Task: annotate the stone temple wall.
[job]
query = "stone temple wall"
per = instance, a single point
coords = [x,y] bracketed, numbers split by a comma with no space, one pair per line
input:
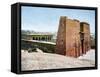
[86,40]
[69,37]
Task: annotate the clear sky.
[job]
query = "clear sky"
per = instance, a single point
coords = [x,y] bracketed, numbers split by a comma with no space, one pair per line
[47,19]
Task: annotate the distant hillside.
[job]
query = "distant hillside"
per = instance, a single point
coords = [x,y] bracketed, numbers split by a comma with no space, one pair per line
[27,32]
[34,32]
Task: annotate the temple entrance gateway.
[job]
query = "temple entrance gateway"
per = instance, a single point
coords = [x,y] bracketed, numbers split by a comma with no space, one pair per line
[75,36]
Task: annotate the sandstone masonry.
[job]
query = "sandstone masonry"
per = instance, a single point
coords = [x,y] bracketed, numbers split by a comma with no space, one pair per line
[73,37]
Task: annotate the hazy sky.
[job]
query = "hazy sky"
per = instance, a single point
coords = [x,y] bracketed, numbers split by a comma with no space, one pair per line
[47,19]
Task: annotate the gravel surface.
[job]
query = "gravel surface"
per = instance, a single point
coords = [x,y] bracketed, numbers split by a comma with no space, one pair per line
[40,61]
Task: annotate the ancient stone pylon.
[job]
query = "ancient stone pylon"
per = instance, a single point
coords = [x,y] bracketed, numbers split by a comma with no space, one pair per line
[69,37]
[85,42]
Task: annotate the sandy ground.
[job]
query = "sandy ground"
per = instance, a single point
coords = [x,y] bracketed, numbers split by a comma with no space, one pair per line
[90,55]
[40,61]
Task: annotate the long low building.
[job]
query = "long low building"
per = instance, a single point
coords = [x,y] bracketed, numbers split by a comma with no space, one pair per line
[45,42]
[40,37]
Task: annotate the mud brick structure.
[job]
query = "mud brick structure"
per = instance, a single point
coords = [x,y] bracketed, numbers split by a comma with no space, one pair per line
[73,37]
